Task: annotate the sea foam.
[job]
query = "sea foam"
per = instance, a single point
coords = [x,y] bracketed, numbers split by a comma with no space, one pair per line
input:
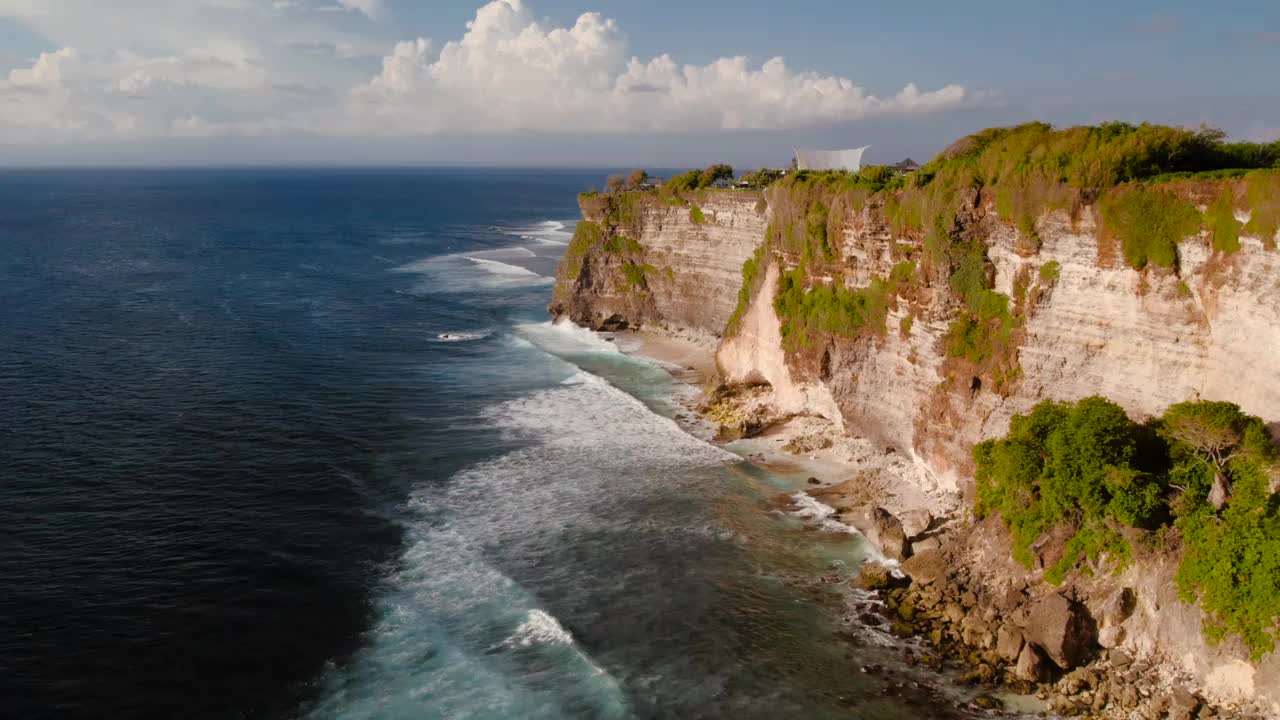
[464,272]
[550,232]
[540,627]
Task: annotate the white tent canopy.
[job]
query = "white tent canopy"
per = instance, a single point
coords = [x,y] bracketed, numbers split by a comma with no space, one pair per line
[830,159]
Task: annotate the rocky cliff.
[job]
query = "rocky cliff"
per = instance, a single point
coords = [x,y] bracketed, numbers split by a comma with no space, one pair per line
[636,259]
[947,323]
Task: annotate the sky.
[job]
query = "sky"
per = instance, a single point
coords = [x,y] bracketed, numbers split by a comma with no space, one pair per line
[657,83]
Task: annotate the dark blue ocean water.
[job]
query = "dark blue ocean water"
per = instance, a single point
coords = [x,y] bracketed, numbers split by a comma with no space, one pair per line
[302,443]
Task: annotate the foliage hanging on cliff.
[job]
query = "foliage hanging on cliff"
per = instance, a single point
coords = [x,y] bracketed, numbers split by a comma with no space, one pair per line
[585,237]
[1264,202]
[832,307]
[1150,224]
[1086,472]
[752,270]
[1220,217]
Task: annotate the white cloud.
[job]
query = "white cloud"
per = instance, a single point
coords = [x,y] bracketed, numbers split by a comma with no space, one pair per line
[510,71]
[209,67]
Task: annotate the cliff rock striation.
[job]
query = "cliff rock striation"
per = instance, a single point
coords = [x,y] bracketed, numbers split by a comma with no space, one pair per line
[925,312]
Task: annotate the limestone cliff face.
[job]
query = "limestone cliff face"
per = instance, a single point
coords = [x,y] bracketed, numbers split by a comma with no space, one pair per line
[1089,325]
[1146,340]
[1092,325]
[686,266]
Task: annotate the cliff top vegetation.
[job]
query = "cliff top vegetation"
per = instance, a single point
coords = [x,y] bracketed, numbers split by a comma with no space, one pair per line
[1096,157]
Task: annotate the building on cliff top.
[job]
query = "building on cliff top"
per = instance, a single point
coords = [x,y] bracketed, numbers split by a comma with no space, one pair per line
[850,159]
[906,166]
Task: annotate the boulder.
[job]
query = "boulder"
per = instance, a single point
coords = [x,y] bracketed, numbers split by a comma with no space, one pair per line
[873,576]
[1008,642]
[1009,600]
[613,323]
[881,529]
[1031,666]
[1182,705]
[1119,658]
[953,613]
[976,633]
[925,545]
[915,522]
[1061,628]
[1117,608]
[1109,637]
[927,568]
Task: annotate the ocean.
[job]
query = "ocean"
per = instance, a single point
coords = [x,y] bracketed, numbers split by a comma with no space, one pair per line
[304,443]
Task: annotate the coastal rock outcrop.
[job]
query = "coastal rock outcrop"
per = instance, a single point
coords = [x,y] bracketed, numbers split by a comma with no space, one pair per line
[1069,317]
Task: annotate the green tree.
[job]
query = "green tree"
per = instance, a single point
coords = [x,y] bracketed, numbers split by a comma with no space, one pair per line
[637,178]
[713,173]
[1213,433]
[762,177]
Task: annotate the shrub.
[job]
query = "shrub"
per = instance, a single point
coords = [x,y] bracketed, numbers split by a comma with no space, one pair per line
[1149,225]
[1094,157]
[833,308]
[695,215]
[975,335]
[1087,468]
[586,235]
[682,182]
[1050,271]
[816,228]
[752,268]
[637,178]
[1077,465]
[620,244]
[697,179]
[1220,217]
[905,212]
[635,274]
[714,173]
[763,177]
[1232,553]
[1264,206]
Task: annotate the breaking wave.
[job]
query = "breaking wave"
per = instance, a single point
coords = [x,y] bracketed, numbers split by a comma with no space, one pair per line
[566,338]
[807,508]
[465,272]
[462,336]
[540,627]
[550,232]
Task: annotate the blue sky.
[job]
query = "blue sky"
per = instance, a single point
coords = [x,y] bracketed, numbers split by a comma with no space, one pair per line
[654,82]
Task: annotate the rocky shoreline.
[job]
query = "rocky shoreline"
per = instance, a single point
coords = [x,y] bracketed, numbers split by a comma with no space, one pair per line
[1019,636]
[1030,639]
[1000,631]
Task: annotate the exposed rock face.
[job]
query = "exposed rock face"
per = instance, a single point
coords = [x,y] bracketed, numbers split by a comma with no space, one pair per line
[694,269]
[1145,340]
[1208,329]
[1061,628]
[1030,665]
[881,528]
